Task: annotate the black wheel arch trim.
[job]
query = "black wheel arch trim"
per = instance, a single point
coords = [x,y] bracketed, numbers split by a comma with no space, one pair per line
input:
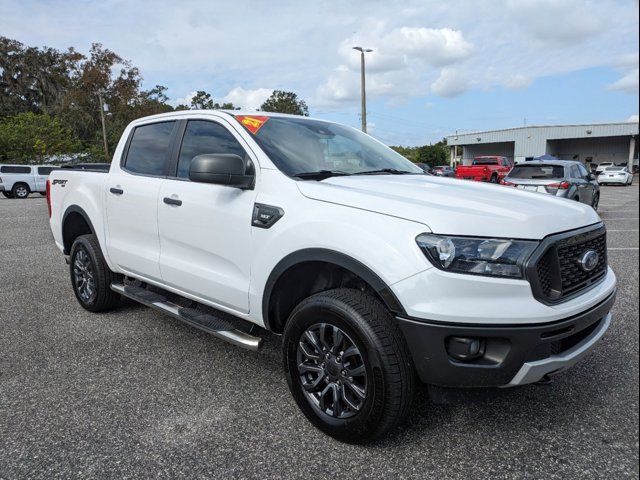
[79,210]
[338,259]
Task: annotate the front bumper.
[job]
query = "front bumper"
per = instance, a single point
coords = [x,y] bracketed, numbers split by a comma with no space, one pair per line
[514,354]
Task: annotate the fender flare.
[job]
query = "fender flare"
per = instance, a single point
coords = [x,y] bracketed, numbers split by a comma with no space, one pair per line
[338,259]
[76,209]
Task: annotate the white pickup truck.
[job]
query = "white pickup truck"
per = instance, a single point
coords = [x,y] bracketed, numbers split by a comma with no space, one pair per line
[18,181]
[376,274]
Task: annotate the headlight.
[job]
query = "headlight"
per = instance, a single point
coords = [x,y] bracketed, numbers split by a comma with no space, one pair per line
[495,257]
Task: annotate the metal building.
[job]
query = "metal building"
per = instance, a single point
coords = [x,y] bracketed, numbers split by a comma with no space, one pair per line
[590,144]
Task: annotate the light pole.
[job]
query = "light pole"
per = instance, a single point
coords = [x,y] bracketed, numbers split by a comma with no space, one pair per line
[362,88]
[104,129]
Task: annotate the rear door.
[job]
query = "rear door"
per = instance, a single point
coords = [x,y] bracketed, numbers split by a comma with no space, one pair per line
[585,189]
[41,175]
[132,199]
[205,229]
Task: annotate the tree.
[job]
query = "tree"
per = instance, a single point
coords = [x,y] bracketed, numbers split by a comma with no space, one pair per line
[202,101]
[29,137]
[285,102]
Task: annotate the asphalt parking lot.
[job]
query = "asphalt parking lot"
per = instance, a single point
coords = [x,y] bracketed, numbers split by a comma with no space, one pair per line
[134,394]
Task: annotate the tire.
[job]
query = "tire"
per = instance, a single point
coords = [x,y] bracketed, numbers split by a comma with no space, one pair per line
[88,267]
[596,202]
[381,369]
[494,179]
[20,191]
[7,194]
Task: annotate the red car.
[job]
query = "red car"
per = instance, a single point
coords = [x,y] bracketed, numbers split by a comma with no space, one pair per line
[485,169]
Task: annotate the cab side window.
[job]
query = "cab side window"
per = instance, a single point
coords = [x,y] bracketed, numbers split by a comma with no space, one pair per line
[149,149]
[202,137]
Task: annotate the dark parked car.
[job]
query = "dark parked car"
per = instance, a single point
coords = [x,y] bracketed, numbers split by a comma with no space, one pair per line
[426,168]
[561,178]
[443,171]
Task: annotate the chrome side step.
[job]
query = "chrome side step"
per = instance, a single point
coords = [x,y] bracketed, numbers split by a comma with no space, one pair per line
[218,327]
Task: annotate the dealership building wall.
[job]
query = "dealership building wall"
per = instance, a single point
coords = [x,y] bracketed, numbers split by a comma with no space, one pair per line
[590,144]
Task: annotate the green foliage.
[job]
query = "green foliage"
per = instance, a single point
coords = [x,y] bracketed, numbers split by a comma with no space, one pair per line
[433,154]
[285,102]
[29,137]
[203,101]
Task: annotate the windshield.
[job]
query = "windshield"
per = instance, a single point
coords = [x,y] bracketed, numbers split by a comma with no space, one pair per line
[298,146]
[485,161]
[533,172]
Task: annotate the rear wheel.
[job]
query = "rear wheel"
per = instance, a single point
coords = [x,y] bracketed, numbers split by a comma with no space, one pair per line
[347,365]
[20,190]
[7,194]
[494,178]
[90,276]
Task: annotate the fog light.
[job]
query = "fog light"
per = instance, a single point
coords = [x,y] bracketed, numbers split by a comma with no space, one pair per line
[465,349]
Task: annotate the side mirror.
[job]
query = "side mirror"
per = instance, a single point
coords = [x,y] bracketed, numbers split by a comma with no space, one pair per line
[221,169]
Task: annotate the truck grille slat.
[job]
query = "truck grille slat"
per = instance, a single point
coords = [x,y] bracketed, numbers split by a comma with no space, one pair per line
[558,273]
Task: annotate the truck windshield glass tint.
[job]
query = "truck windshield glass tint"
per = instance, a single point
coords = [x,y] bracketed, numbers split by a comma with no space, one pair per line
[303,146]
[148,150]
[537,171]
[201,137]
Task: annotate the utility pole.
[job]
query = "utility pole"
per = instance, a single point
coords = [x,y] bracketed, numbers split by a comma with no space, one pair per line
[363,93]
[104,128]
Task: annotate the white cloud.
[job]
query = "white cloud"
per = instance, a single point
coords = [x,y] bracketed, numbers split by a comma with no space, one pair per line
[633,119]
[566,22]
[627,84]
[517,81]
[451,82]
[247,99]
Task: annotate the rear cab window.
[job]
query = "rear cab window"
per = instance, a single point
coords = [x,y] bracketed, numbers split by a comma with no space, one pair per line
[45,170]
[485,161]
[148,150]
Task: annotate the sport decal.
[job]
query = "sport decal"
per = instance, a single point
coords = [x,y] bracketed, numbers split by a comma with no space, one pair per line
[252,123]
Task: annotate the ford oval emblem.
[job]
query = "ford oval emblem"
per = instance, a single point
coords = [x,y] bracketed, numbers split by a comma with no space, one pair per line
[589,260]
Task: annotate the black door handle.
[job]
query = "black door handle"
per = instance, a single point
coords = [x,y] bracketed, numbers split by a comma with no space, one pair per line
[172,201]
[116,191]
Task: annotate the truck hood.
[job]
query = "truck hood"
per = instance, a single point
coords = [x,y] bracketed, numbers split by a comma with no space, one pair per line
[455,207]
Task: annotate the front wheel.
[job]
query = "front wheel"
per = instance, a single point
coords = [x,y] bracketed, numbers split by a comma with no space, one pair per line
[596,201]
[494,179]
[7,194]
[347,365]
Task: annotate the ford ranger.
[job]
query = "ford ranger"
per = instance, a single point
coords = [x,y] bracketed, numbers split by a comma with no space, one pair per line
[376,275]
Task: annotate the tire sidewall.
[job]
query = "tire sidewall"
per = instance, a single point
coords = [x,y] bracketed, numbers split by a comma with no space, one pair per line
[318,310]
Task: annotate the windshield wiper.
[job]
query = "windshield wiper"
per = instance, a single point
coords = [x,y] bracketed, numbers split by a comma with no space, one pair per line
[391,171]
[321,174]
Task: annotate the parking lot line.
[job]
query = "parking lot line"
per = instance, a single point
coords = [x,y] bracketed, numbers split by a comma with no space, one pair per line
[622,248]
[622,230]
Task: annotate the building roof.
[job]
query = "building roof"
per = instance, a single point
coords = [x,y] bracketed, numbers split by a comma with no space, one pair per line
[551,132]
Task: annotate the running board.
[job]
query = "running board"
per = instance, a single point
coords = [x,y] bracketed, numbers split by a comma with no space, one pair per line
[218,327]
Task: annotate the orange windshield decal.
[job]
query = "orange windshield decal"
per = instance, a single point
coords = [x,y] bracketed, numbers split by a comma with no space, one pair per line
[252,123]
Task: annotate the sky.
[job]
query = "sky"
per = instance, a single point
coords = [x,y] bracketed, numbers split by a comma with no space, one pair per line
[436,67]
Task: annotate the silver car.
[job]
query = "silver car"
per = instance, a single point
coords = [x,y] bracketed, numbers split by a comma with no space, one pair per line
[561,178]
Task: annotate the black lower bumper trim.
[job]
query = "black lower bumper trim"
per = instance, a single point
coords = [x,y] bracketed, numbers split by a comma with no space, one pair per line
[507,348]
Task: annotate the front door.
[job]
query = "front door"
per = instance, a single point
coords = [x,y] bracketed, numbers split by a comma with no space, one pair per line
[132,200]
[205,229]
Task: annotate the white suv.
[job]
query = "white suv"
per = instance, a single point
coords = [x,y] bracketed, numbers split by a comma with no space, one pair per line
[374,273]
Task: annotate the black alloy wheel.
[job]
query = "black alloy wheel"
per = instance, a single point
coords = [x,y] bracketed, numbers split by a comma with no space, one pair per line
[84,276]
[332,371]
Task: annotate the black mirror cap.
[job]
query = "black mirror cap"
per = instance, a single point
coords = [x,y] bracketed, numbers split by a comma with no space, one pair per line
[221,169]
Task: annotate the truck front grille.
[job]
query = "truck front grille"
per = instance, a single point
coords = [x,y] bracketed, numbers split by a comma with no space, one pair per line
[557,273]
